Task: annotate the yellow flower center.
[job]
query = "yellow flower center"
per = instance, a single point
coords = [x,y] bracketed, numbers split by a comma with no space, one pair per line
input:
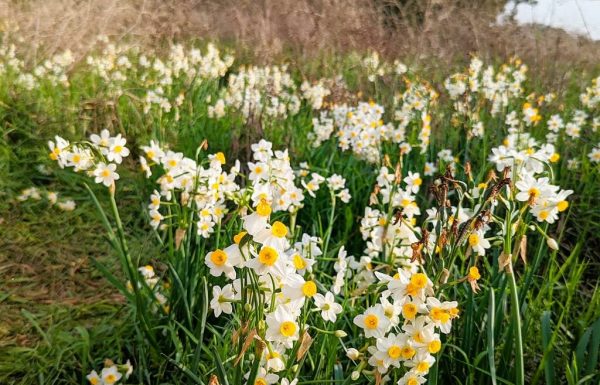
[408,352]
[419,280]
[76,158]
[94,381]
[309,289]
[371,321]
[438,314]
[412,289]
[238,237]
[263,209]
[220,157]
[110,379]
[412,381]
[434,346]
[279,229]
[299,263]
[562,205]
[474,273]
[422,367]
[418,182]
[473,239]
[394,351]
[453,312]
[543,215]
[260,381]
[418,337]
[105,173]
[218,257]
[287,328]
[554,157]
[268,256]
[409,310]
[534,192]
[118,149]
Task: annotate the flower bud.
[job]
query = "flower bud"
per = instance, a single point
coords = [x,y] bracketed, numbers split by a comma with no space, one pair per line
[352,353]
[552,243]
[340,334]
[355,374]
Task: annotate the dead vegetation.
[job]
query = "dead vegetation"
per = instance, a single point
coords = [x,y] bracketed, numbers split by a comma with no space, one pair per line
[445,30]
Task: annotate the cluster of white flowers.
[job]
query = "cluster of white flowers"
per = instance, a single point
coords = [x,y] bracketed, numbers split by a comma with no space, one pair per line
[112,63]
[336,183]
[413,106]
[183,65]
[157,293]
[387,235]
[591,97]
[362,130]
[280,284]
[403,326]
[314,94]
[498,88]
[98,157]
[273,180]
[111,374]
[36,194]
[323,128]
[182,179]
[527,160]
[256,92]
[53,71]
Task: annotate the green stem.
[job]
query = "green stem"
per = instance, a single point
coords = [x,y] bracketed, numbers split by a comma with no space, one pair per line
[516,318]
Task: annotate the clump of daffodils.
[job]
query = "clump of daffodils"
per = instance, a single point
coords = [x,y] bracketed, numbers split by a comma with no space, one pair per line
[98,157]
[202,186]
[498,88]
[528,161]
[52,197]
[111,374]
[255,92]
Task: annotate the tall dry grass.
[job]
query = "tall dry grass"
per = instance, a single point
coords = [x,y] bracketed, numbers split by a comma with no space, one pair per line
[440,29]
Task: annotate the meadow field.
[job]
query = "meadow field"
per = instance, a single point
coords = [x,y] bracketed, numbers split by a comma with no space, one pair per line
[220,210]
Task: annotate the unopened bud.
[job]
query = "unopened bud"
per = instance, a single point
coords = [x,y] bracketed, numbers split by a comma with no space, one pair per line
[248,307]
[354,376]
[352,353]
[340,334]
[552,243]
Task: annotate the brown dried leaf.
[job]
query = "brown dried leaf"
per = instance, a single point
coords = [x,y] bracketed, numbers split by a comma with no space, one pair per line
[504,262]
[179,235]
[523,249]
[245,346]
[305,343]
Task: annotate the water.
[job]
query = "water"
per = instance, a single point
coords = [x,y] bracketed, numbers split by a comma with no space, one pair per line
[580,17]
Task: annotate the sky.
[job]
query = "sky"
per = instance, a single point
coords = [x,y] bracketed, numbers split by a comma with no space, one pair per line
[580,17]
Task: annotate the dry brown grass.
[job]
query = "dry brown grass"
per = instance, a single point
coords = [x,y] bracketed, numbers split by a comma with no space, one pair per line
[441,29]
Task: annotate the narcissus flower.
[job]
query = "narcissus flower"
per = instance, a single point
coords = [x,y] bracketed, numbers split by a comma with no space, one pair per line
[105,173]
[329,308]
[282,326]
